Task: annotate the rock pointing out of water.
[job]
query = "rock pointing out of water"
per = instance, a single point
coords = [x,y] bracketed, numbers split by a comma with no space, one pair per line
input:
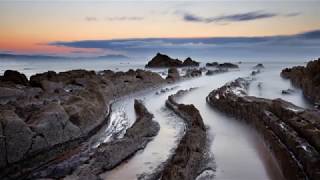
[109,155]
[291,132]
[54,112]
[307,78]
[162,60]
[186,163]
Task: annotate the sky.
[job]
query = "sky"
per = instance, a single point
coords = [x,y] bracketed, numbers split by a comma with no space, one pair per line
[81,28]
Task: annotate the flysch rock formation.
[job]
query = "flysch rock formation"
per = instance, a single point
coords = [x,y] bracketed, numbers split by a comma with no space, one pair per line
[109,155]
[54,112]
[292,133]
[188,159]
[307,78]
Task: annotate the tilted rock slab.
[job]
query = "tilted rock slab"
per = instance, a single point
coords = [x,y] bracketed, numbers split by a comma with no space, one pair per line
[186,161]
[292,133]
[55,112]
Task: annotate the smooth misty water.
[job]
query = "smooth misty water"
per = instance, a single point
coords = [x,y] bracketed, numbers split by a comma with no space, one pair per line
[238,150]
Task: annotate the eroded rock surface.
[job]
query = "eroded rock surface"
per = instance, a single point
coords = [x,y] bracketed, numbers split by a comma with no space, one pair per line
[54,112]
[186,163]
[307,78]
[292,132]
[109,155]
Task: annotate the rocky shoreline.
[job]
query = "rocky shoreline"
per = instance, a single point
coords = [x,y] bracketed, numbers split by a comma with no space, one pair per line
[188,159]
[307,78]
[54,112]
[292,133]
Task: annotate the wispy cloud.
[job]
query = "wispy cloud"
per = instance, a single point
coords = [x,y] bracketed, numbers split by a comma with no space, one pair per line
[124,18]
[248,16]
[91,18]
[115,18]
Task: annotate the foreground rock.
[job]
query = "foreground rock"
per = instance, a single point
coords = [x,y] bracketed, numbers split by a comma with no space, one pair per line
[307,78]
[162,60]
[109,155]
[186,163]
[55,112]
[291,132]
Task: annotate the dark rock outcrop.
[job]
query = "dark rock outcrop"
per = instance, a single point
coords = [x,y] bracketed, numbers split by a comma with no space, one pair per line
[217,71]
[173,74]
[259,66]
[228,65]
[213,64]
[307,78]
[288,91]
[14,77]
[190,62]
[162,60]
[109,155]
[291,132]
[58,111]
[186,161]
[193,72]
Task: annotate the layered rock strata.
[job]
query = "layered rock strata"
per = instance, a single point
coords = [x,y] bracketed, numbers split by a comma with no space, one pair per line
[109,155]
[42,118]
[186,161]
[291,132]
[307,78]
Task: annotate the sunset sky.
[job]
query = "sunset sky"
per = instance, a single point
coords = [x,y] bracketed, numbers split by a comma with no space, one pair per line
[46,27]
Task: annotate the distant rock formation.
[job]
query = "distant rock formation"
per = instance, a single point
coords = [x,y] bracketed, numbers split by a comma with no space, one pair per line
[190,62]
[228,65]
[217,71]
[173,74]
[162,60]
[291,132]
[213,64]
[259,66]
[307,78]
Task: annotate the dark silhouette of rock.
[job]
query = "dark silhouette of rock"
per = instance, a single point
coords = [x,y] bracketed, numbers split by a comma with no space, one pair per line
[217,71]
[307,78]
[253,73]
[14,77]
[162,60]
[190,62]
[288,91]
[259,66]
[173,74]
[228,65]
[213,64]
[193,72]
[291,132]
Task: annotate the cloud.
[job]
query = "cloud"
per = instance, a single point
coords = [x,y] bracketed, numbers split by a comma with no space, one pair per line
[292,14]
[311,34]
[249,16]
[90,18]
[124,18]
[116,18]
[306,39]
[224,19]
